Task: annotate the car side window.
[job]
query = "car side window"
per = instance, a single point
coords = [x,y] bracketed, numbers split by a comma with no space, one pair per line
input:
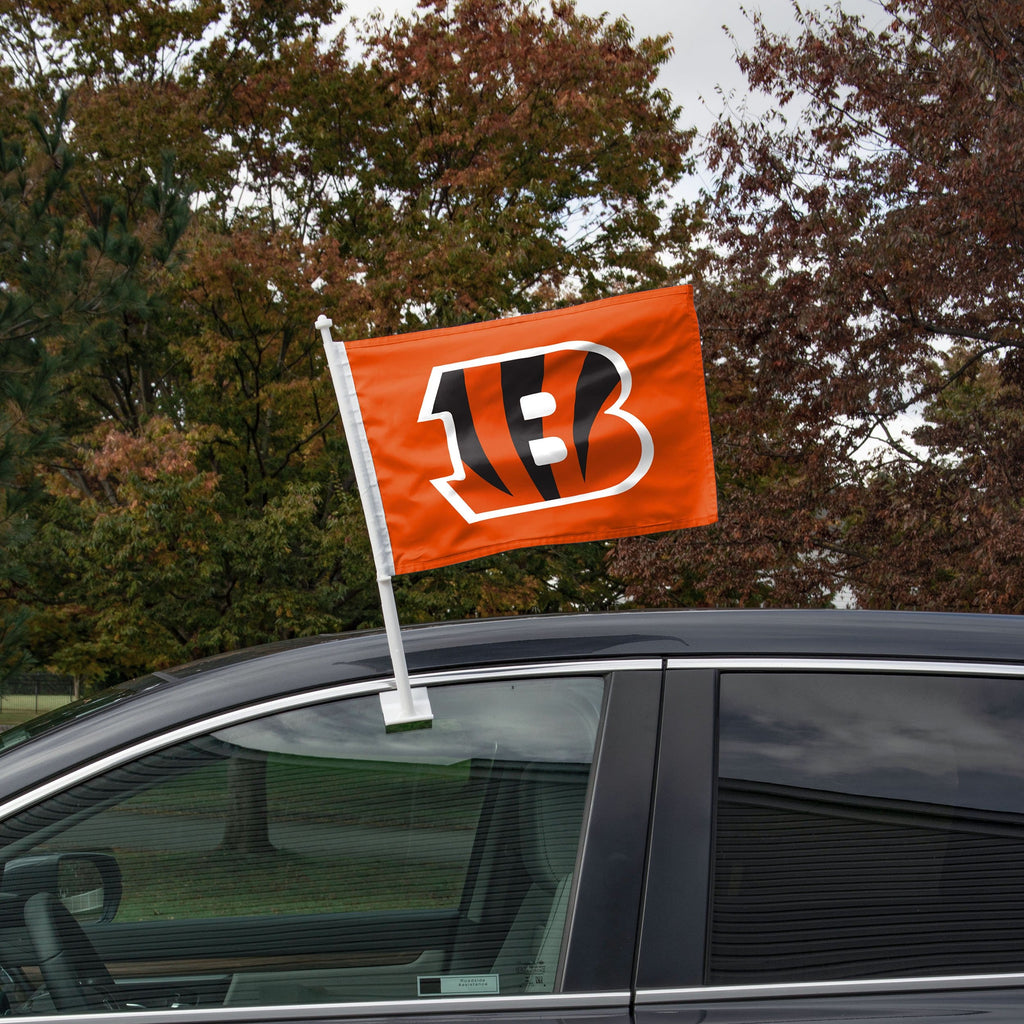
[310,856]
[868,826]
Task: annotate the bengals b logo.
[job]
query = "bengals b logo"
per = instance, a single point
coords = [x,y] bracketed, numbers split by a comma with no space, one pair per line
[536,429]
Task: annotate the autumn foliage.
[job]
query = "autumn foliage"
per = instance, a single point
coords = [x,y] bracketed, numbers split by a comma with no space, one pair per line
[187,185]
[862,317]
[222,173]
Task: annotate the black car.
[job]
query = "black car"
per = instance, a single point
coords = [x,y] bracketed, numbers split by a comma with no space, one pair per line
[659,817]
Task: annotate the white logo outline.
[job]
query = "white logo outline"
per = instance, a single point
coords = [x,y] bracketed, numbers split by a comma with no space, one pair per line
[444,484]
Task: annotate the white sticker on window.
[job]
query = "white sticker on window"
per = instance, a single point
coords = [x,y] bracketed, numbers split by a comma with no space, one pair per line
[457,984]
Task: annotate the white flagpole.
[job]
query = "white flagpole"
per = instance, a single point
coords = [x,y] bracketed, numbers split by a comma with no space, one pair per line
[402,708]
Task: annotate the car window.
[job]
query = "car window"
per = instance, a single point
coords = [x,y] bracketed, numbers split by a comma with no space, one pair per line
[311,856]
[868,826]
[68,713]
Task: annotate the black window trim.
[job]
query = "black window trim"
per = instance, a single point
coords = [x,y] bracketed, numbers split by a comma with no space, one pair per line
[602,932]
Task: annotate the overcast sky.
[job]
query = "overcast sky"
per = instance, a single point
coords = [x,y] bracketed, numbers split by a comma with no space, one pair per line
[704,53]
[703,62]
[703,56]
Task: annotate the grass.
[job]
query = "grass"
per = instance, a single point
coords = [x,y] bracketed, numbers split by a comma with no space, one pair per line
[322,790]
[18,715]
[317,801]
[219,884]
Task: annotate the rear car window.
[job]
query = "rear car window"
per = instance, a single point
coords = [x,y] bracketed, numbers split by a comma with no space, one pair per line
[868,826]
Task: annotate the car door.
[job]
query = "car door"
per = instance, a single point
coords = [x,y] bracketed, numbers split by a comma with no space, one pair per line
[295,853]
[837,839]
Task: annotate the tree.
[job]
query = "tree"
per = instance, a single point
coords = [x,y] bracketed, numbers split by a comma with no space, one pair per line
[488,157]
[865,264]
[28,230]
[954,517]
[60,290]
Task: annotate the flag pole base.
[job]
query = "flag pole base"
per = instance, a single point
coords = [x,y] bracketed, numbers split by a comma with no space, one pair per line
[396,717]
[403,707]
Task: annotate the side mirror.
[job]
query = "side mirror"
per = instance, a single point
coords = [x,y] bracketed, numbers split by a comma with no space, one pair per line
[88,884]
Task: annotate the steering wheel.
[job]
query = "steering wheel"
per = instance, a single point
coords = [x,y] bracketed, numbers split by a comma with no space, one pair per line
[77,980]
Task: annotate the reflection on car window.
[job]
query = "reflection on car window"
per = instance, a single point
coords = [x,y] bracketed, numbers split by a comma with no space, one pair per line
[310,856]
[868,826]
[67,713]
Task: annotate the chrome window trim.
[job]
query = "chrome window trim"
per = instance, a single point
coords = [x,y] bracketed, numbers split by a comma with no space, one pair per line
[332,1011]
[307,698]
[866,986]
[824,663]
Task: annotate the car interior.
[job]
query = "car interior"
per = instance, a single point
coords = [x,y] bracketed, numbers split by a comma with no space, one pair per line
[370,880]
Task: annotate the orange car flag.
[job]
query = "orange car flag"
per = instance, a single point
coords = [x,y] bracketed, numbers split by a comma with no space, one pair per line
[584,423]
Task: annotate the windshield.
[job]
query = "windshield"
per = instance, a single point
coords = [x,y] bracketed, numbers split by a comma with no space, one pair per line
[67,713]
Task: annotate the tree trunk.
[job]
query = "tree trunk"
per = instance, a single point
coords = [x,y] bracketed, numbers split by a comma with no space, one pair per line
[247,830]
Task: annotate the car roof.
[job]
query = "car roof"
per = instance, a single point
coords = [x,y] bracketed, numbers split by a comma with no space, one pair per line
[669,633]
[157,702]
